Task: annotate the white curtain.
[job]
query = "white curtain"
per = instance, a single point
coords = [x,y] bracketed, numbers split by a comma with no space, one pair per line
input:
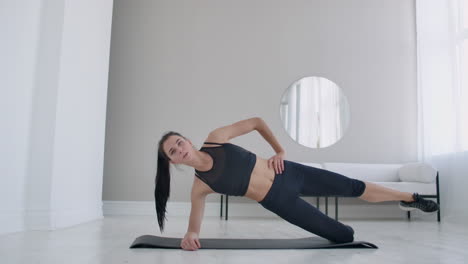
[328,112]
[308,106]
[443,99]
[313,112]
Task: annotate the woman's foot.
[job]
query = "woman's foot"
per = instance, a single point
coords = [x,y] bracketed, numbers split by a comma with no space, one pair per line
[420,203]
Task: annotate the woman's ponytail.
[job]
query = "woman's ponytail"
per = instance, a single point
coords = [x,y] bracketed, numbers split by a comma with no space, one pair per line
[162,189]
[162,181]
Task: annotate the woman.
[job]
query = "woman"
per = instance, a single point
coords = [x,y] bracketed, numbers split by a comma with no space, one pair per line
[276,183]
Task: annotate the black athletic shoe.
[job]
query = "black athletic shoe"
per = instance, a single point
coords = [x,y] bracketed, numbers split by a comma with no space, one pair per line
[420,203]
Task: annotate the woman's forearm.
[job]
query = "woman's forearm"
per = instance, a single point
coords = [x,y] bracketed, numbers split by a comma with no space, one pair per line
[196,215]
[266,133]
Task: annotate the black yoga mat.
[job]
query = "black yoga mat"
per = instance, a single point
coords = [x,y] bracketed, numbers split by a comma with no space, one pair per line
[149,241]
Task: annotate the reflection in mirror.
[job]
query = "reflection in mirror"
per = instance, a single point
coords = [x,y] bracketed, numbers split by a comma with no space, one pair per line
[314,111]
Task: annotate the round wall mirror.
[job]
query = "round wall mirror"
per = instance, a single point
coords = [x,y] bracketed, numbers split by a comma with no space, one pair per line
[315,112]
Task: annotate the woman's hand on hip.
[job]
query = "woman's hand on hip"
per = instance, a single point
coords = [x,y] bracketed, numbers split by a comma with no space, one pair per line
[277,162]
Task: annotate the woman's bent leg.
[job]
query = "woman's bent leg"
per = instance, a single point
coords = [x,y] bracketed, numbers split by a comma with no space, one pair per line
[302,214]
[283,200]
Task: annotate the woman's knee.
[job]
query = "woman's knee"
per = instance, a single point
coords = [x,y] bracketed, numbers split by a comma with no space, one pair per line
[359,188]
[346,236]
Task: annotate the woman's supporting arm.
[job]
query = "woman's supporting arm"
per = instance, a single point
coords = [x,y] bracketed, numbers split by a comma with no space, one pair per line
[196,212]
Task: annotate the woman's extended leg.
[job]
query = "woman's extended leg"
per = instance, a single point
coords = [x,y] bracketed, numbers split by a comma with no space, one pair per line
[319,182]
[327,183]
[375,193]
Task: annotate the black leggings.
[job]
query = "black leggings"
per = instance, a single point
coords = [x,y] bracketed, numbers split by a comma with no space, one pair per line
[283,199]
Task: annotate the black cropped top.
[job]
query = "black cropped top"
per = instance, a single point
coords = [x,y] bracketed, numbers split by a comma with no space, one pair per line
[231,171]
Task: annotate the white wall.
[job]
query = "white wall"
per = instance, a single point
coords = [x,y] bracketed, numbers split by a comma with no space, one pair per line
[19,35]
[58,94]
[191,66]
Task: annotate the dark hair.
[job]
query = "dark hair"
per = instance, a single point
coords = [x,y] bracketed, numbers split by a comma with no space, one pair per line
[163,180]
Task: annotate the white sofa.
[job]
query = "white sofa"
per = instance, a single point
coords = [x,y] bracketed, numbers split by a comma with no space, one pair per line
[409,177]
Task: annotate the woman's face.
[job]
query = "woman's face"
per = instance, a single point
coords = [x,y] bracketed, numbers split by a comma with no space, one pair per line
[177,149]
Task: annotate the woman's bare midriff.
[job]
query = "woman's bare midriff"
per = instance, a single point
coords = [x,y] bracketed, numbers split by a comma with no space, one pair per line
[261,180]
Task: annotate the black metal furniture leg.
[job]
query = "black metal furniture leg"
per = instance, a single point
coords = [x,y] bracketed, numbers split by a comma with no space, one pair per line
[336,208]
[326,205]
[438,196]
[221,207]
[227,207]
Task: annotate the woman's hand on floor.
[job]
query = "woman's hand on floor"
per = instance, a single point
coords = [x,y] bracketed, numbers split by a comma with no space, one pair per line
[190,241]
[277,162]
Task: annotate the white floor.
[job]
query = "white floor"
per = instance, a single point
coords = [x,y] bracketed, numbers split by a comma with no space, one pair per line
[421,240]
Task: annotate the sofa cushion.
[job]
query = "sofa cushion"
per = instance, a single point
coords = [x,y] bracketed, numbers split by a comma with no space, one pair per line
[417,172]
[366,172]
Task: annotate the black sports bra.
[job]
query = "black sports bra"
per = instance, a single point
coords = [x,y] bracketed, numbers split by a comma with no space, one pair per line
[231,171]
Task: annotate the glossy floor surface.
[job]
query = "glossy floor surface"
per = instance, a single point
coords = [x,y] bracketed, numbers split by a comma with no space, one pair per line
[108,240]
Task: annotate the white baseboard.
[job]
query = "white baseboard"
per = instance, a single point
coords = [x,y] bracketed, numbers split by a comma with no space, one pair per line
[17,221]
[180,209]
[11,222]
[21,220]
[346,211]
[51,220]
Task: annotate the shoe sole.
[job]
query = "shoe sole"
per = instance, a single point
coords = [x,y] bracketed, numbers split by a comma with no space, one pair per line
[409,209]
